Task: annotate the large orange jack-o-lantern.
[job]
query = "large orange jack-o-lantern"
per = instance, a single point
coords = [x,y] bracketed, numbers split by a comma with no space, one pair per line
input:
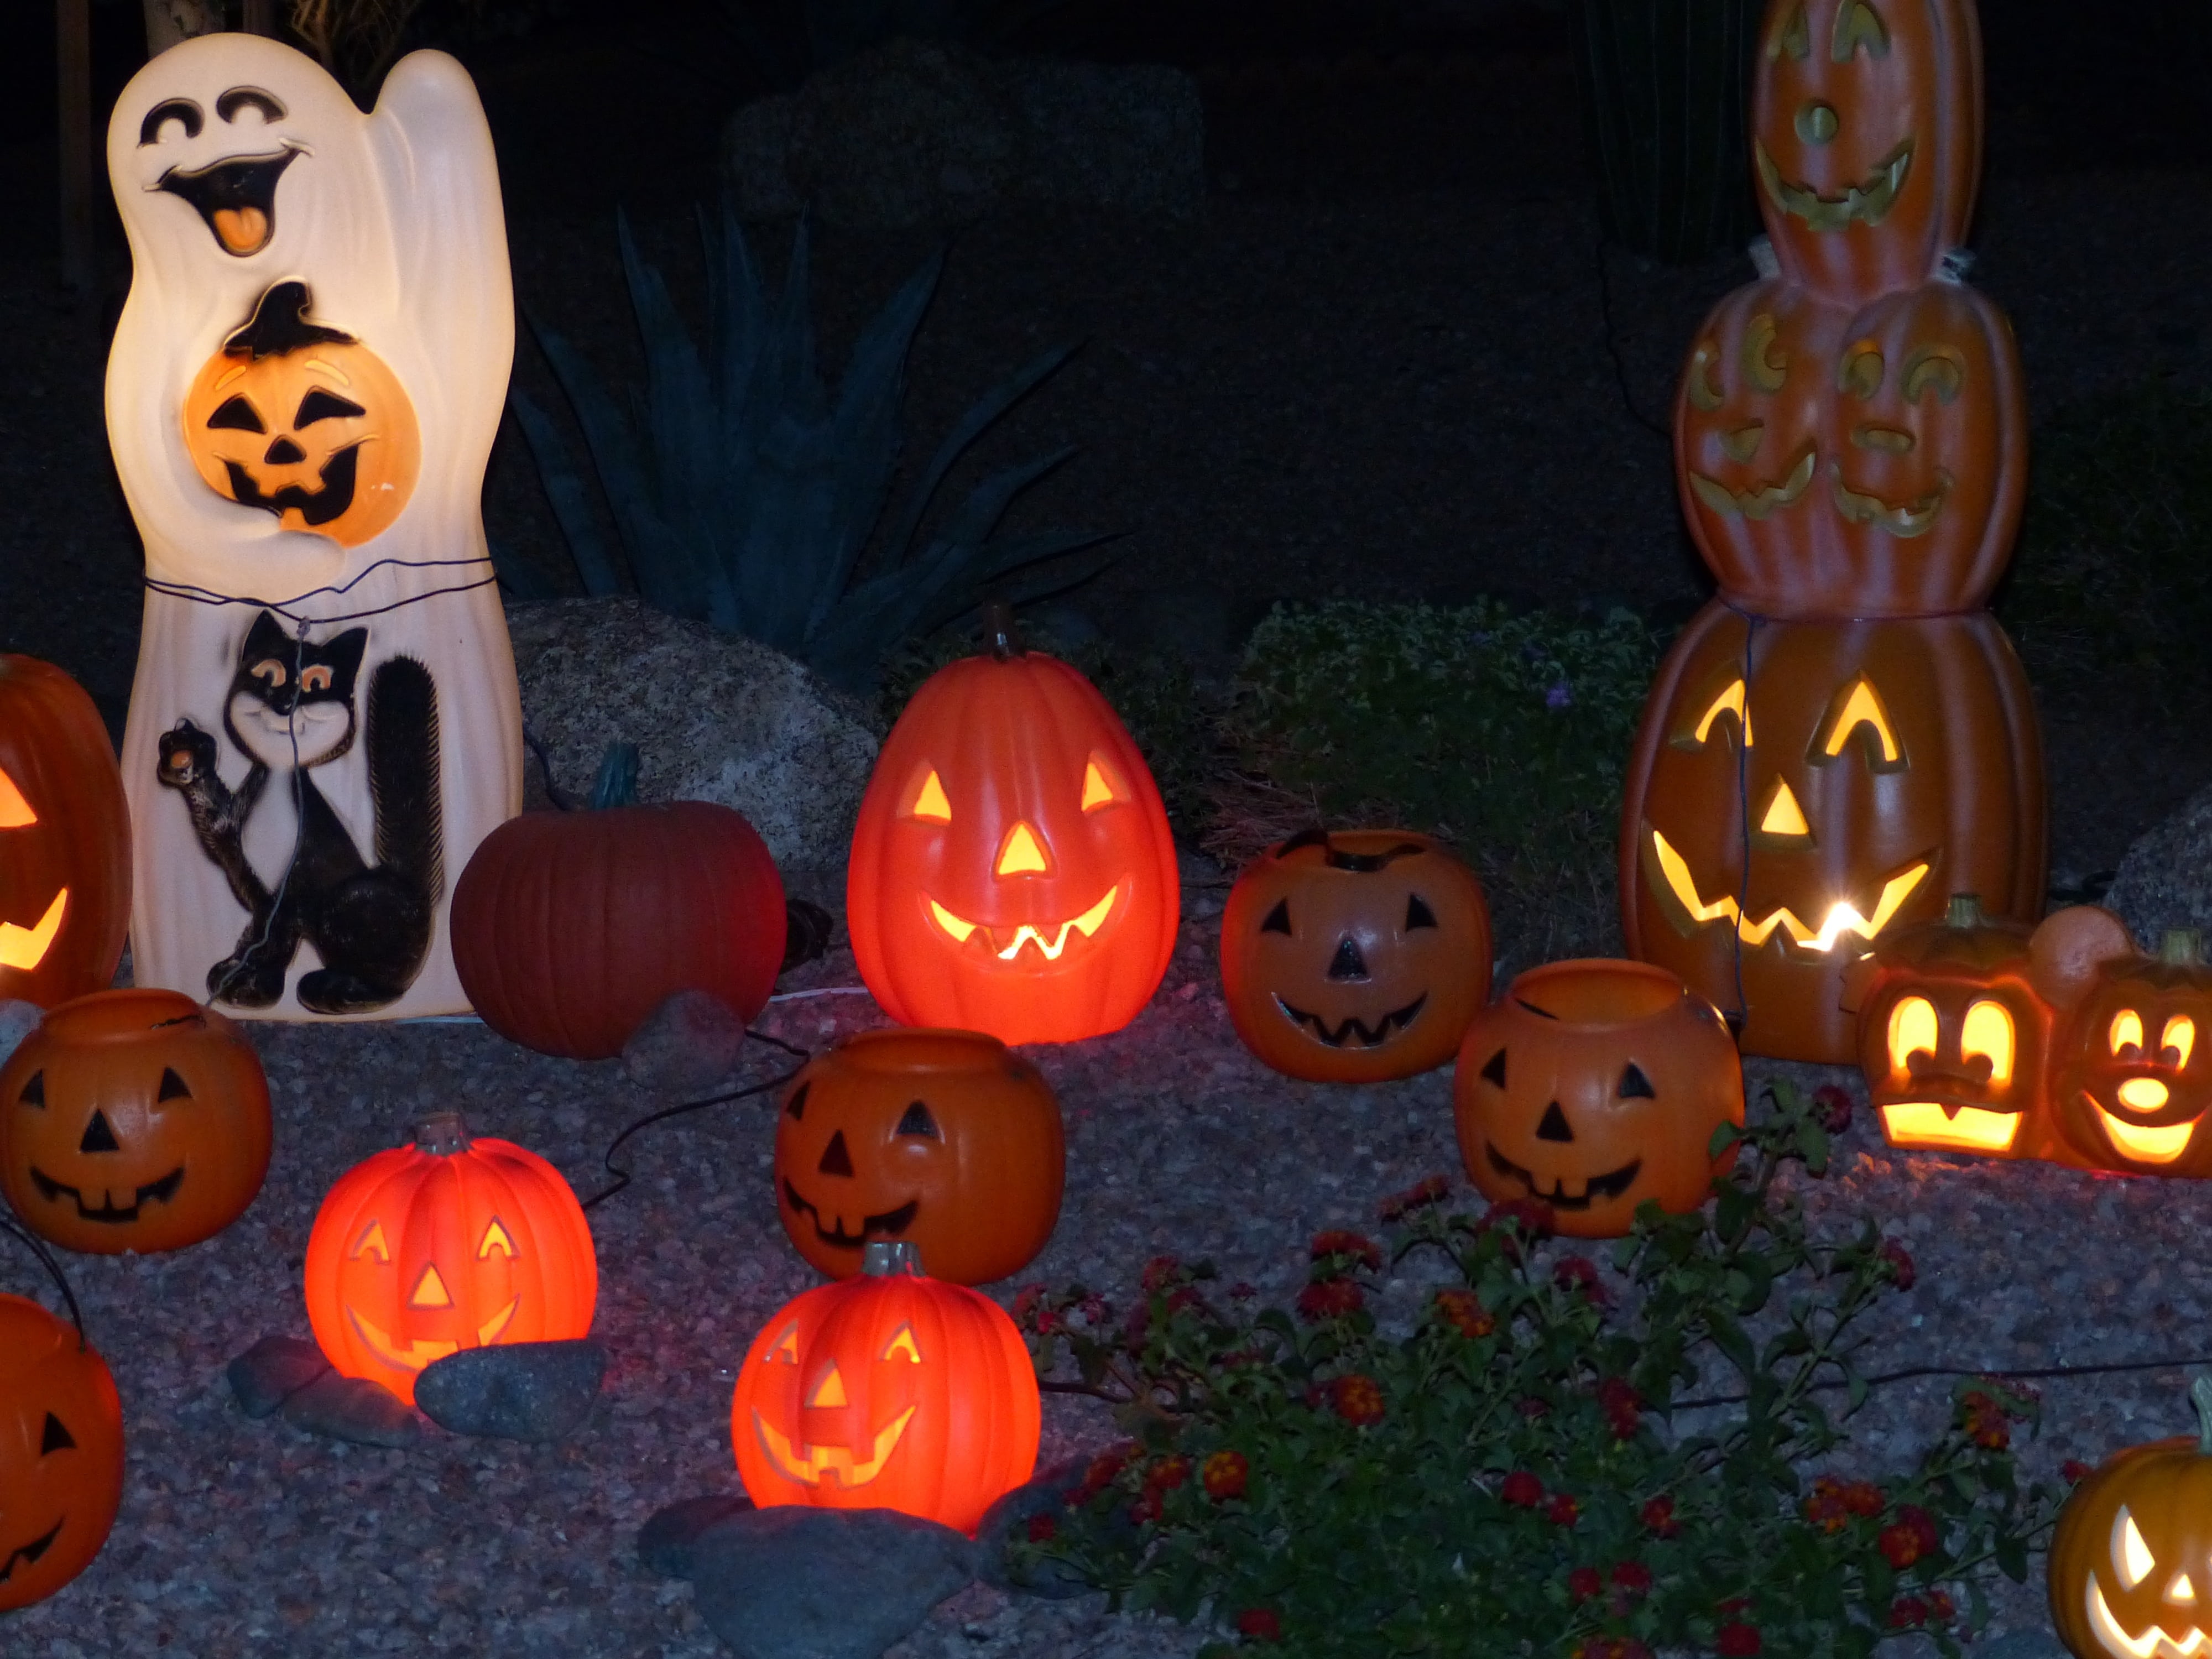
[447,1244]
[1012,870]
[1802,789]
[64,839]
[2131,1086]
[1355,957]
[61,1452]
[1592,1086]
[943,1139]
[304,421]
[132,1120]
[887,1391]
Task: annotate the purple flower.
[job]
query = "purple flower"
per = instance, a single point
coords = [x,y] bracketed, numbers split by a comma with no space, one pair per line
[1558,697]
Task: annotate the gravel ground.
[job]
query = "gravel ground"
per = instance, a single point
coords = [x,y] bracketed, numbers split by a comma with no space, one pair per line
[252,1538]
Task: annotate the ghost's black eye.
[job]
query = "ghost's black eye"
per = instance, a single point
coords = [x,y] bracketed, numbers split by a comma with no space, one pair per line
[795,1108]
[236,415]
[321,405]
[57,1437]
[1278,919]
[1417,914]
[918,1121]
[1495,1071]
[1634,1086]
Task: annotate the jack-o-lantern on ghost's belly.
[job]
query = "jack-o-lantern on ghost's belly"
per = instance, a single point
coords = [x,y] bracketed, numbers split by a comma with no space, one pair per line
[1873,767]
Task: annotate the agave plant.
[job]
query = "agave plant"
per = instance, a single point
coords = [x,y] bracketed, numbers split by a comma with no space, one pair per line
[745,494]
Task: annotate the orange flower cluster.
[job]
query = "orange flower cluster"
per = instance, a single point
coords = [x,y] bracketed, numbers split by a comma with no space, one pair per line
[1464,1314]
[1358,1400]
[1909,1537]
[1338,1243]
[1985,1420]
[1329,1298]
[1834,1501]
[1225,1474]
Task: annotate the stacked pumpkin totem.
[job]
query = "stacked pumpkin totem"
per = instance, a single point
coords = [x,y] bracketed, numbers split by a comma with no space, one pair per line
[1842,738]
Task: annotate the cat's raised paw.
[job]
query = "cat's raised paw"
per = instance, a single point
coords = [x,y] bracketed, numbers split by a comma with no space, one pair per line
[188,756]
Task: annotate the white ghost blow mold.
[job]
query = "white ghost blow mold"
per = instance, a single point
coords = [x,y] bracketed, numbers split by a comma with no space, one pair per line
[301,398]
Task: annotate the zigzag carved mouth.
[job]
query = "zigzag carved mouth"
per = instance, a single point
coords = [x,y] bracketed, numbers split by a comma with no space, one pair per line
[116,1214]
[889,1225]
[1761,498]
[1903,521]
[317,507]
[1868,202]
[27,1554]
[1610,1185]
[1352,1026]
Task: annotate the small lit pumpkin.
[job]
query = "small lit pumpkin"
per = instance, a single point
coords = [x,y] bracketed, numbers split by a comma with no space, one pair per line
[2131,1086]
[450,1243]
[890,1390]
[569,928]
[947,1140]
[1356,957]
[2132,1553]
[1012,870]
[303,421]
[1592,1085]
[61,1452]
[64,839]
[132,1120]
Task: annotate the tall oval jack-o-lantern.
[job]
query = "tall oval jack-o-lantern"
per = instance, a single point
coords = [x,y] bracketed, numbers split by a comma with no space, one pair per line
[1012,871]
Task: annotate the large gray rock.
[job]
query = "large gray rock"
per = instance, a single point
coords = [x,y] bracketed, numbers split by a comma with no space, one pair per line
[716,717]
[1011,1518]
[666,1541]
[790,1583]
[353,1408]
[272,1371]
[2166,879]
[514,1390]
[914,133]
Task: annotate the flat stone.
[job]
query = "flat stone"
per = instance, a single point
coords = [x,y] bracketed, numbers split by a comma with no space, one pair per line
[1009,1518]
[516,1390]
[688,1044]
[2022,1644]
[272,1371]
[665,1542]
[793,1583]
[2166,879]
[353,1408]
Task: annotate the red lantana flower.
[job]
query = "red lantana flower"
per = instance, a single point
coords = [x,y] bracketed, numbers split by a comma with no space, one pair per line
[1631,1576]
[1167,1474]
[1908,1538]
[1225,1475]
[1159,1272]
[1658,1516]
[1562,1510]
[1622,1406]
[1579,1273]
[1899,1261]
[1330,1298]
[1736,1640]
[1432,1189]
[1832,1107]
[1461,1311]
[1337,1241]
[1585,1584]
[1261,1624]
[1521,1489]
[1042,1529]
[2073,1471]
[1528,1218]
[1358,1400]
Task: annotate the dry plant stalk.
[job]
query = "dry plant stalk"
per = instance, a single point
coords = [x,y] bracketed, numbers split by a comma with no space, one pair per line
[358,36]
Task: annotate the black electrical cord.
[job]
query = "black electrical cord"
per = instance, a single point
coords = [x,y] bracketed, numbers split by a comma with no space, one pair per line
[37,1247]
[622,1177]
[1612,350]
[2177,1362]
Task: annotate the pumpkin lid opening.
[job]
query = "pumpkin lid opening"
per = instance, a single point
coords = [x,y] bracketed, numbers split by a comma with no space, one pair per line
[1594,991]
[887,1259]
[441,1135]
[1965,911]
[2178,947]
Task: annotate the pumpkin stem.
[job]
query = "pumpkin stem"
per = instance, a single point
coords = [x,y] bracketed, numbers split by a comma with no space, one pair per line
[616,784]
[884,1259]
[999,630]
[2200,1395]
[441,1135]
[1965,911]
[2178,947]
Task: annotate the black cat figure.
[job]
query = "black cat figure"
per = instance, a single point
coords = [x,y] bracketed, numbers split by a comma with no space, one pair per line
[290,709]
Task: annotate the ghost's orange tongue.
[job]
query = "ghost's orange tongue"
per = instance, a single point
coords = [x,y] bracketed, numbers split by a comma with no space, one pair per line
[242,229]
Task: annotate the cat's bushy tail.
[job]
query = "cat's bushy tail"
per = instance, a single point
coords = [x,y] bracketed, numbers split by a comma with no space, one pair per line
[403,775]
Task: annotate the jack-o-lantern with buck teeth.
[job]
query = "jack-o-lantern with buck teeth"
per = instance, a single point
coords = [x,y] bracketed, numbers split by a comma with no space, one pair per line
[449,1243]
[132,1120]
[1800,790]
[890,1390]
[1012,871]
[1355,957]
[1593,1086]
[2131,1083]
[943,1139]
[61,1452]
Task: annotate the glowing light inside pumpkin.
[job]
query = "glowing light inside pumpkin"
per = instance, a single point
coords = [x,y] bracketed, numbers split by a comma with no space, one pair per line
[2147,1143]
[1987,1035]
[430,1290]
[829,1391]
[2126,1032]
[1960,1129]
[2143,1094]
[930,801]
[15,812]
[26,947]
[496,1238]
[1022,853]
[961,929]
[2178,1041]
[1098,788]
[1860,705]
[1783,816]
[2181,1590]
[1911,1031]
[811,1465]
[2131,1556]
[1844,917]
[1730,701]
[2152,1644]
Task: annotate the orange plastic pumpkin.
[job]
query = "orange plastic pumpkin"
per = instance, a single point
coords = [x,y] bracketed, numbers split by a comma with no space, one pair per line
[1012,870]
[64,839]
[61,1452]
[1355,957]
[2128,1557]
[449,1243]
[947,1140]
[1875,768]
[132,1120]
[569,928]
[1592,1085]
[2132,1083]
[890,1390]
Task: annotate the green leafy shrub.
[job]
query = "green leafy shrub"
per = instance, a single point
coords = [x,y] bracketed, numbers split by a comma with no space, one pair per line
[1503,1468]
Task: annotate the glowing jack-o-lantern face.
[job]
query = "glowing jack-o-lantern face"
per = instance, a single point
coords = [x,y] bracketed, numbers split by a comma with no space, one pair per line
[1355,957]
[450,1243]
[61,1452]
[1801,790]
[1866,136]
[301,420]
[1593,1086]
[888,1390]
[64,839]
[943,1139]
[2133,1084]
[1012,871]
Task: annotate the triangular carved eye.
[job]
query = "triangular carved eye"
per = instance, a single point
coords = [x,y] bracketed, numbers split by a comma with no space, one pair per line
[34,1092]
[902,1346]
[1634,1086]
[496,1238]
[931,803]
[1417,914]
[795,1108]
[786,1346]
[236,415]
[57,1437]
[1100,786]
[1278,919]
[15,812]
[172,1086]
[918,1121]
[321,405]
[1495,1070]
[370,1243]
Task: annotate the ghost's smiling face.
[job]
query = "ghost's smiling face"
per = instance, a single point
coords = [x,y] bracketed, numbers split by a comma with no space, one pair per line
[224,158]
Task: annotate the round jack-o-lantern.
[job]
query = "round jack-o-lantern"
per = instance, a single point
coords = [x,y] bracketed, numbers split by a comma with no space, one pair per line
[1355,957]
[1012,870]
[946,1139]
[133,1119]
[2132,1551]
[890,1390]
[449,1243]
[61,1452]
[1874,766]
[64,839]
[303,421]
[1592,1085]
[2131,1086]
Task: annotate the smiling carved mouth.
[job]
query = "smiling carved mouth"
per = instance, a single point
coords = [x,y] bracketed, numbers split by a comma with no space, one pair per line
[414,1356]
[26,947]
[1611,1185]
[889,1225]
[2152,1644]
[27,1554]
[1352,1026]
[109,1210]
[2146,1143]
[237,197]
[809,1465]
[1868,202]
[1957,1128]
[1669,874]
[1913,518]
[1761,499]
[1006,943]
[317,507]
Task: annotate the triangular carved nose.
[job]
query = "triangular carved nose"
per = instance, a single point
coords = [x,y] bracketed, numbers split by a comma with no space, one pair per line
[284,452]
[1023,853]
[1554,1126]
[836,1160]
[98,1137]
[1347,963]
